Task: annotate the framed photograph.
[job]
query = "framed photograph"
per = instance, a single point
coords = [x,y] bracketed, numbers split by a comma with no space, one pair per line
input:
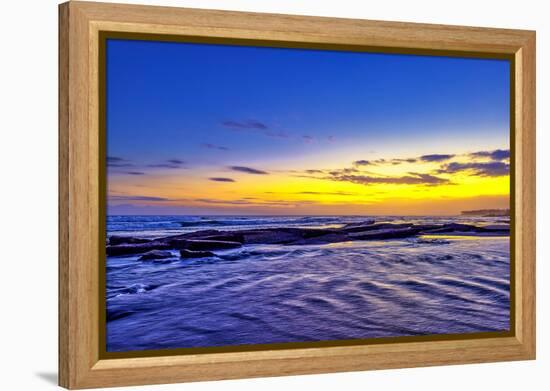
[247,195]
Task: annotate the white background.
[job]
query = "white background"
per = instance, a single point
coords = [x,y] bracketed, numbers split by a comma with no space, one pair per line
[28,200]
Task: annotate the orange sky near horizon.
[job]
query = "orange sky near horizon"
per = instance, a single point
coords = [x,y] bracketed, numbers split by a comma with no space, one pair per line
[437,184]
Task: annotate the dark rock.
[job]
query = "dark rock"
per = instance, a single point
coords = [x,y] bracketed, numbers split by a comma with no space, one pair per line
[271,236]
[155,254]
[496,228]
[116,240]
[139,248]
[428,227]
[206,240]
[178,243]
[225,237]
[372,227]
[196,254]
[454,227]
[308,233]
[198,245]
[335,237]
[388,233]
[201,233]
[182,243]
[194,234]
[359,224]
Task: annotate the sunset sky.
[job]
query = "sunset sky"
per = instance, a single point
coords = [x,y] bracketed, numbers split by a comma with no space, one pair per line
[212,129]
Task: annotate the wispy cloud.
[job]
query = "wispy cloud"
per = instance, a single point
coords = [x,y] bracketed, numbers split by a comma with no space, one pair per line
[230,202]
[396,161]
[436,157]
[251,202]
[276,134]
[254,126]
[134,173]
[363,162]
[124,198]
[497,154]
[248,170]
[221,179]
[214,146]
[307,138]
[333,193]
[118,162]
[313,171]
[248,124]
[490,169]
[164,165]
[358,172]
[340,171]
[412,178]
[399,161]
[170,163]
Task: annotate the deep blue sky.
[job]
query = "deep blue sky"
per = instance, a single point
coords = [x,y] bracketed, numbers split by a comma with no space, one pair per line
[167,100]
[217,129]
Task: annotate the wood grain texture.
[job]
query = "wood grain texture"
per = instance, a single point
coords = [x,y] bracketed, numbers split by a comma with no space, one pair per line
[79,144]
[526,161]
[63,221]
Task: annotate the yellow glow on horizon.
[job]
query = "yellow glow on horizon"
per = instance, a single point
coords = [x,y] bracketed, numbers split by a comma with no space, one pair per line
[321,192]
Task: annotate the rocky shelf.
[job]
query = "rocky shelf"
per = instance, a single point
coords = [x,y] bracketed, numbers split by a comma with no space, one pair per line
[199,244]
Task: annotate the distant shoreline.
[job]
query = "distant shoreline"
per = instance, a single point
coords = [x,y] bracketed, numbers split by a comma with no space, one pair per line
[487,212]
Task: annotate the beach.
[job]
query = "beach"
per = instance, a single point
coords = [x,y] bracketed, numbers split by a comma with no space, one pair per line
[330,278]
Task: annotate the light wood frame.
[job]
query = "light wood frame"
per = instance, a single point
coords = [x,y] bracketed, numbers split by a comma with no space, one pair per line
[80,24]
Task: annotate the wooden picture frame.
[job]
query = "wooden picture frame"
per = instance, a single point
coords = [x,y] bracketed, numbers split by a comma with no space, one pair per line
[80,147]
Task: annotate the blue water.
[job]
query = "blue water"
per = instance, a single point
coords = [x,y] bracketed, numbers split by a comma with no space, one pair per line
[273,293]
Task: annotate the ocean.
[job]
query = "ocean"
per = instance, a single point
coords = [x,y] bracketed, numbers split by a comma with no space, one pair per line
[259,294]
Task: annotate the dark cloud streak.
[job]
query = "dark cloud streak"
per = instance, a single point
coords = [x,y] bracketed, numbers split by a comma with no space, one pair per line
[359,163]
[436,157]
[411,179]
[489,169]
[170,163]
[362,163]
[118,162]
[136,198]
[248,170]
[254,126]
[221,179]
[249,124]
[497,154]
[214,146]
